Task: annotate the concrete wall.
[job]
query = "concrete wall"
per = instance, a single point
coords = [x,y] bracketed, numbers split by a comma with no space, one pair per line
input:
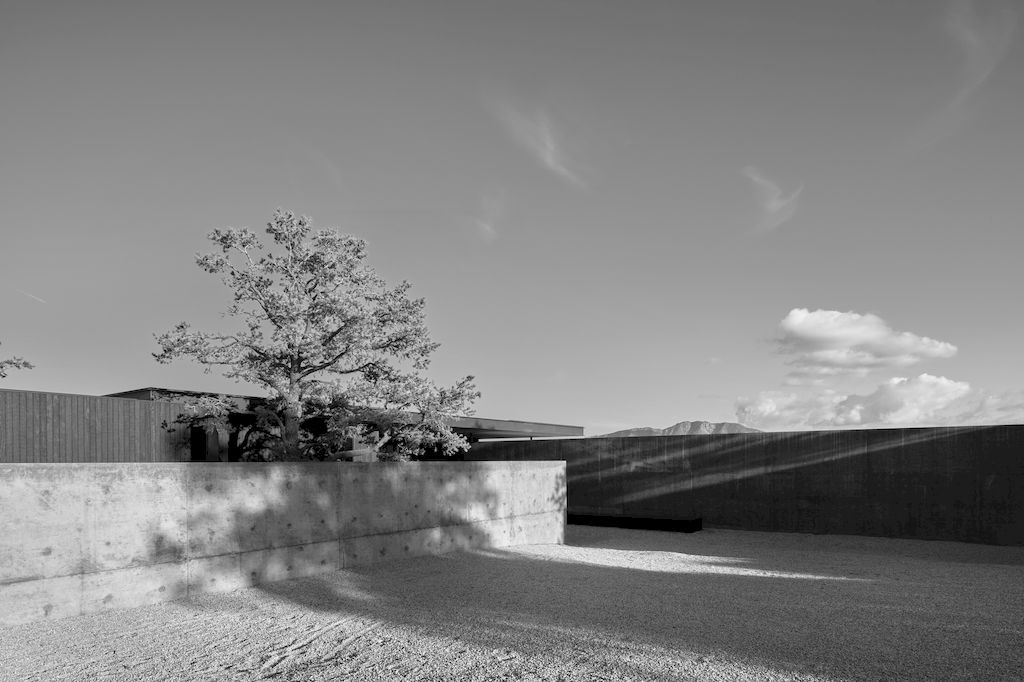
[80,538]
[962,483]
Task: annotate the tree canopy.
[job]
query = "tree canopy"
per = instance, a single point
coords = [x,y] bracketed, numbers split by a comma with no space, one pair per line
[13,363]
[339,353]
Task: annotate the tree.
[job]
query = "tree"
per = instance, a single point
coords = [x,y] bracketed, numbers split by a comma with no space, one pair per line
[339,353]
[13,363]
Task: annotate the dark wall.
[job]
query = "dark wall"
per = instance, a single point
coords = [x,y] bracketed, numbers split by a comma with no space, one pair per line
[958,483]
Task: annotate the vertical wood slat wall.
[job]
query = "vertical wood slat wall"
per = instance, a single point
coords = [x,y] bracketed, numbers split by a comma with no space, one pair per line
[60,427]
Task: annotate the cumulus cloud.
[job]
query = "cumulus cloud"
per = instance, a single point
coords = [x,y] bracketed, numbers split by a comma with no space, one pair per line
[988,408]
[925,400]
[775,209]
[827,343]
[904,401]
[536,133]
[780,411]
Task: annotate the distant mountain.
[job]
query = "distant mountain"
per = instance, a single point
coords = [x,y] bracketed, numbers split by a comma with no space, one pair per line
[684,429]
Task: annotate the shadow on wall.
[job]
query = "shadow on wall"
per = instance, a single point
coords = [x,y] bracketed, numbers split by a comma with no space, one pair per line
[82,538]
[256,523]
[779,606]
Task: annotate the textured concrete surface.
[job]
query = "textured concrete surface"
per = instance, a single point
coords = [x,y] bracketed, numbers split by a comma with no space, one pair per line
[81,538]
[954,483]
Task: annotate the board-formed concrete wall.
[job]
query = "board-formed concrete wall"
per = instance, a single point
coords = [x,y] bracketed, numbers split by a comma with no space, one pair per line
[80,538]
[952,483]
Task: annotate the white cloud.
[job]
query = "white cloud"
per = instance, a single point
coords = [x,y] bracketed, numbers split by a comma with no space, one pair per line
[986,408]
[925,400]
[827,343]
[903,401]
[779,411]
[775,209]
[536,133]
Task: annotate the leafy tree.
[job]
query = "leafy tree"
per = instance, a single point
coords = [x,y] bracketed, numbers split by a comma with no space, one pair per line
[339,353]
[13,363]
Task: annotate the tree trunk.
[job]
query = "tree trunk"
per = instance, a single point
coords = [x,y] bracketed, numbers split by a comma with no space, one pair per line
[290,435]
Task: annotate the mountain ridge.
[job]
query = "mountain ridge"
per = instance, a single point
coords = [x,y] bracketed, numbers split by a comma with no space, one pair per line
[686,428]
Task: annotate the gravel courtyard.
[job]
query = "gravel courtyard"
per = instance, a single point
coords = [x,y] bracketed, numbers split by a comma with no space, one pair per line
[610,604]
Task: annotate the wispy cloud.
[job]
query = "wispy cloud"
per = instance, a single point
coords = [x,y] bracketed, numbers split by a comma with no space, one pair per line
[332,171]
[489,215]
[826,343]
[775,209]
[982,39]
[536,133]
[32,296]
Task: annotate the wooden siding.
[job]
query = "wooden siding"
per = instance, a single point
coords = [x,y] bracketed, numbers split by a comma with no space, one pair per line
[60,427]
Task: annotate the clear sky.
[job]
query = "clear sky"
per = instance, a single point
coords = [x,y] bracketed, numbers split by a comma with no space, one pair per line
[795,214]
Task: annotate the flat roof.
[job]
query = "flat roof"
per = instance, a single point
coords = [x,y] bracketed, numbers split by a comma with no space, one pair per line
[509,428]
[472,427]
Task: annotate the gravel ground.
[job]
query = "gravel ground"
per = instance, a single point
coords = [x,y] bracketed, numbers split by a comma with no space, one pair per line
[610,604]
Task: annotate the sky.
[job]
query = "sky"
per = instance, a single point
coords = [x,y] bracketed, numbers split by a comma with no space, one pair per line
[803,214]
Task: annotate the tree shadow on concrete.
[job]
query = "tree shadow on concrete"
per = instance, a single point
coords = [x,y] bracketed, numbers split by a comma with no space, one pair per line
[256,523]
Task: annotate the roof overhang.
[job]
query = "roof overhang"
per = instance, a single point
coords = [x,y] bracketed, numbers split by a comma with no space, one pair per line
[478,427]
[473,428]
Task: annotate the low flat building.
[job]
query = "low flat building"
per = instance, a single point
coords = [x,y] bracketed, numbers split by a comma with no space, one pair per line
[217,446]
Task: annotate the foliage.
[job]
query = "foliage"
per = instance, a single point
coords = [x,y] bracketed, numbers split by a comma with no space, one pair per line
[13,363]
[339,353]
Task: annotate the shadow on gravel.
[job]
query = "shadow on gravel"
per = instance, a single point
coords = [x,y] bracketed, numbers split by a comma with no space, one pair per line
[834,606]
[866,617]
[761,548]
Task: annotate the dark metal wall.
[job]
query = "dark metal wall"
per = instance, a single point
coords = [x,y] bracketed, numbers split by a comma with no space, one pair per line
[59,427]
[958,483]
